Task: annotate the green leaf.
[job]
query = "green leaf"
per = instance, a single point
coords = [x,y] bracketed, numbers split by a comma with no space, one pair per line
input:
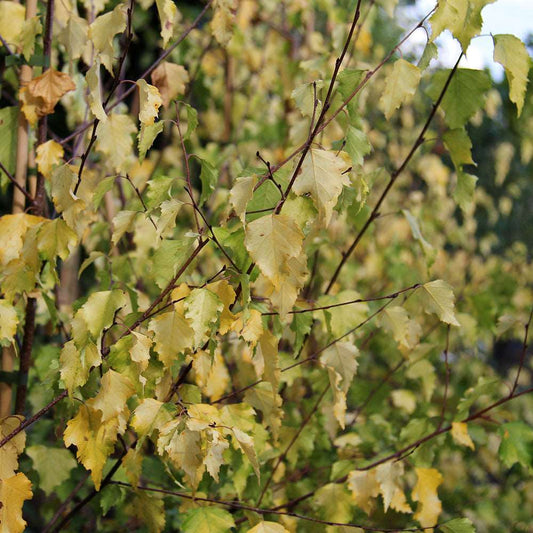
[400,86]
[168,258]
[511,52]
[146,137]
[458,525]
[192,120]
[52,464]
[335,501]
[464,96]
[209,179]
[207,520]
[112,496]
[357,145]
[464,190]
[484,386]
[516,445]
[460,147]
[304,97]
[8,146]
[430,52]
[426,247]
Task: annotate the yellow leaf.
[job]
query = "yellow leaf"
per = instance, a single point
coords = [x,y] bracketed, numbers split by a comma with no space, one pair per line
[10,451]
[246,443]
[168,14]
[74,36]
[365,489]
[13,491]
[267,361]
[341,362]
[103,30]
[132,463]
[405,332]
[113,394]
[140,351]
[216,445]
[272,240]
[241,193]
[75,364]
[12,15]
[322,176]
[149,416]
[95,93]
[211,373]
[170,79]
[8,321]
[400,86]
[114,139]
[404,399]
[41,94]
[425,493]
[460,434]
[172,336]
[184,449]
[49,155]
[93,438]
[438,296]
[226,295]
[222,21]
[12,231]
[388,476]
[202,309]
[268,527]
[149,100]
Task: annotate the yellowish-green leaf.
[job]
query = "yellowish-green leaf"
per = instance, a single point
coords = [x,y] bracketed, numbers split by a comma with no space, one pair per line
[55,238]
[147,135]
[150,415]
[95,93]
[439,299]
[30,29]
[400,87]
[461,17]
[113,394]
[94,439]
[322,176]
[114,140]
[267,359]
[52,464]
[405,332]
[122,222]
[13,491]
[216,445]
[511,52]
[268,527]
[246,443]
[425,493]
[222,21]
[304,97]
[365,489]
[460,435]
[335,502]
[172,335]
[103,30]
[76,363]
[388,475]
[202,309]
[241,193]
[464,191]
[74,36]
[207,520]
[261,397]
[272,240]
[460,147]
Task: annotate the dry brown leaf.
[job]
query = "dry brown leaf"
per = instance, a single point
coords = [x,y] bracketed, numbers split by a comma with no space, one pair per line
[41,94]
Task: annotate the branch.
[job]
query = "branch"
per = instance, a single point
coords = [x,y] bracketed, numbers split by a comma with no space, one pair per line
[258,510]
[12,179]
[393,178]
[523,354]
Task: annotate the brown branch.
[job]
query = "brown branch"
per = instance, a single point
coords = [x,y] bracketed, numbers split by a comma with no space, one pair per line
[447,378]
[16,184]
[349,302]
[240,506]
[393,178]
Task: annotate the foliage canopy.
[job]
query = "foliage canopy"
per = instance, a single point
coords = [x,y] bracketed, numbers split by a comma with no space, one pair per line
[251,283]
